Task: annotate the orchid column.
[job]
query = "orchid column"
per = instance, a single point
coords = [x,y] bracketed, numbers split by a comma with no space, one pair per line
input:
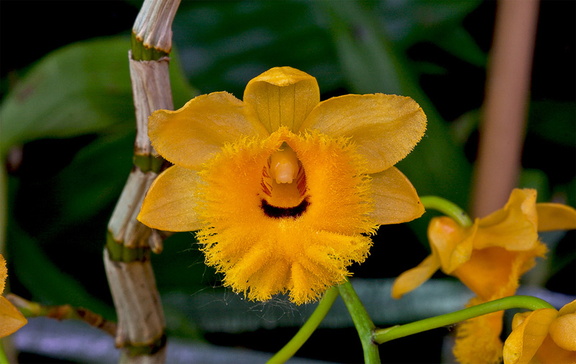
[127,254]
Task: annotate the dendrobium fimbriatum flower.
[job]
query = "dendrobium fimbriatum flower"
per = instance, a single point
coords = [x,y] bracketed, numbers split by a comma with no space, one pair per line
[543,336]
[284,190]
[10,318]
[489,257]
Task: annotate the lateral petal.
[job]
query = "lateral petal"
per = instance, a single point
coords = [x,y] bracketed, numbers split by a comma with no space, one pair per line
[395,198]
[413,278]
[281,96]
[529,331]
[514,227]
[170,203]
[385,128]
[10,318]
[452,243]
[189,136]
[553,216]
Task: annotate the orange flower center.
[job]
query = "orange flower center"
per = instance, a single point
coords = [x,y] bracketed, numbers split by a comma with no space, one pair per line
[284,185]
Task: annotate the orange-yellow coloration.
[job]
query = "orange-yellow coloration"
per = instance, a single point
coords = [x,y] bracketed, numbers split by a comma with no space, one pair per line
[10,318]
[489,257]
[284,190]
[544,336]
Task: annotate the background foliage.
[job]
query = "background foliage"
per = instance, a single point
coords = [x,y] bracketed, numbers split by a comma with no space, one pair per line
[66,135]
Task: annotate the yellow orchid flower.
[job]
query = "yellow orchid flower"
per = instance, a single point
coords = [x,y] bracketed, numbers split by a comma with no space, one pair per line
[282,188]
[10,318]
[489,257]
[544,336]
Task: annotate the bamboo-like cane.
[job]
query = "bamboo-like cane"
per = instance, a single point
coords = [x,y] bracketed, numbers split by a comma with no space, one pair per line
[141,324]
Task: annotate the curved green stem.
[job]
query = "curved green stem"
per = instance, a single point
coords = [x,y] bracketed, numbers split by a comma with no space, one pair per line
[362,322]
[3,357]
[448,208]
[395,332]
[307,329]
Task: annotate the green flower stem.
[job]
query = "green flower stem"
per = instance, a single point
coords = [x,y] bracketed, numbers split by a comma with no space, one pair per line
[307,329]
[3,357]
[362,321]
[395,332]
[448,208]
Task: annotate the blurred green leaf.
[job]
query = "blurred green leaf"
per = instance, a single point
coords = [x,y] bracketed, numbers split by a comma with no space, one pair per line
[81,88]
[223,45]
[460,43]
[538,180]
[94,179]
[372,64]
[44,280]
[181,266]
[407,22]
[554,121]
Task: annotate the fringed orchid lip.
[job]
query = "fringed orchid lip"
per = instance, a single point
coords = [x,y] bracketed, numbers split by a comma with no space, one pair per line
[284,190]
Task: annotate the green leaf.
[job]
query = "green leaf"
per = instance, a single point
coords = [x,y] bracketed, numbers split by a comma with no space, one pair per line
[93,180]
[81,88]
[460,43]
[43,279]
[224,44]
[554,121]
[78,89]
[437,166]
[407,22]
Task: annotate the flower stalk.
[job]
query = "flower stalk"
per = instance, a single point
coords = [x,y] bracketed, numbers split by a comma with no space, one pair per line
[307,329]
[448,208]
[362,322]
[506,303]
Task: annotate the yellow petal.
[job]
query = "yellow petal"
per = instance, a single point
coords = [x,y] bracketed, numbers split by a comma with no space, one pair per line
[10,318]
[385,128]
[553,216]
[395,199]
[3,273]
[563,331]
[550,353]
[413,278]
[452,244]
[527,337]
[281,96]
[568,308]
[189,136]
[515,227]
[170,203]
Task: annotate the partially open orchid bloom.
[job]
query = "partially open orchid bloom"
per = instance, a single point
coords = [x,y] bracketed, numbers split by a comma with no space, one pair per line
[10,318]
[283,189]
[545,336]
[489,257]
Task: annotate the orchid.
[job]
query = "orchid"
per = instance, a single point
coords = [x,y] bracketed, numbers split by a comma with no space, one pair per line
[489,257]
[546,334]
[284,190]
